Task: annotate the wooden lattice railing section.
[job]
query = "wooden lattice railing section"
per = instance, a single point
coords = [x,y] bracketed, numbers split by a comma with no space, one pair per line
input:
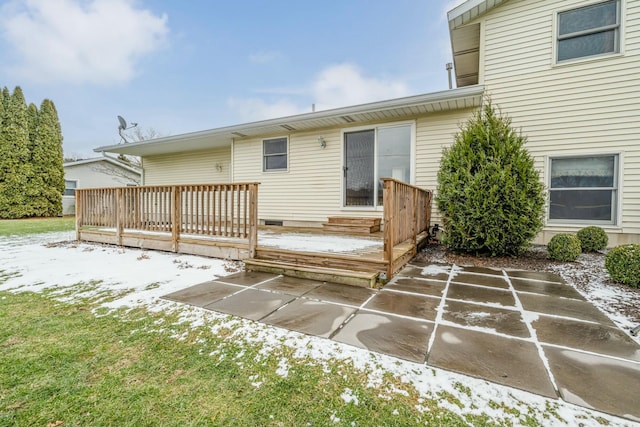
[407,213]
[224,210]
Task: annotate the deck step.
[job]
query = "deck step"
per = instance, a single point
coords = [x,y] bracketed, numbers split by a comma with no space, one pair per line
[346,277]
[352,225]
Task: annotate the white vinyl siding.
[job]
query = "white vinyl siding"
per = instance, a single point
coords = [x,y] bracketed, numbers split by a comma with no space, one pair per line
[310,191]
[196,167]
[433,134]
[576,108]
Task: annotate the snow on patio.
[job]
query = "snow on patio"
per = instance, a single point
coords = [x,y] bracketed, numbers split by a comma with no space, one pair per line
[41,262]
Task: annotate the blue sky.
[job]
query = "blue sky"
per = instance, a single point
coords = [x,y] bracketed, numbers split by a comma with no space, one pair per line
[189,65]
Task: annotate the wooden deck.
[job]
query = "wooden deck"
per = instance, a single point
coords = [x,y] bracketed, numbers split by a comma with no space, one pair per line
[220,220]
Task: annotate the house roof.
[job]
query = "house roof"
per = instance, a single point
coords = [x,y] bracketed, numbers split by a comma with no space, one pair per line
[465,38]
[398,108]
[103,158]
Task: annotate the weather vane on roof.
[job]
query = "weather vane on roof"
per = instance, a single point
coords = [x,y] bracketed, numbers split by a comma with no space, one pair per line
[123,127]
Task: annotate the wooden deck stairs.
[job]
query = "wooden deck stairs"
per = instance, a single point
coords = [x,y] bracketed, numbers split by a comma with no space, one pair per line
[344,269]
[352,225]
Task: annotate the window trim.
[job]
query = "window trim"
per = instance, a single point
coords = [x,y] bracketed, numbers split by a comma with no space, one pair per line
[264,155]
[619,44]
[412,159]
[616,215]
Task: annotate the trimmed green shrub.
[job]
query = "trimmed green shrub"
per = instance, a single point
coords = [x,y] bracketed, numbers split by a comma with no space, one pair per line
[564,247]
[489,192]
[623,264]
[592,239]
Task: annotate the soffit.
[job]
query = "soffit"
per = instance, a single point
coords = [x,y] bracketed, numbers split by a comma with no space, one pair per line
[400,108]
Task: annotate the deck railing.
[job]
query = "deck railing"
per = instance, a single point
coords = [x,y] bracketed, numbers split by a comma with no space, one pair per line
[224,210]
[407,213]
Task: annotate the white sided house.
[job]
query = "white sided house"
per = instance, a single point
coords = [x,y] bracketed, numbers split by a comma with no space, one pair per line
[565,71]
[93,173]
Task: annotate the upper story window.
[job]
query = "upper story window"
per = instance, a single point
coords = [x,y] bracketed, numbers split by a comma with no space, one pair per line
[589,31]
[70,186]
[275,154]
[583,189]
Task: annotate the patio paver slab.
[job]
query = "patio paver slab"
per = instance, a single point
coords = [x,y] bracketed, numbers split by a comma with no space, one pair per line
[546,288]
[203,294]
[310,317]
[387,334]
[507,361]
[418,306]
[418,286]
[426,272]
[565,307]
[247,278]
[598,382]
[341,294]
[289,285]
[503,297]
[508,322]
[481,279]
[251,303]
[592,337]
[535,275]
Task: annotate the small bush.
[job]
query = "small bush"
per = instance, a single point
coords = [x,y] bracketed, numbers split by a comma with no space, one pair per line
[564,247]
[623,264]
[592,239]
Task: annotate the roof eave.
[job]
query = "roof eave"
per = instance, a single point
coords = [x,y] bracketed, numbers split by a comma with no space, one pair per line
[224,136]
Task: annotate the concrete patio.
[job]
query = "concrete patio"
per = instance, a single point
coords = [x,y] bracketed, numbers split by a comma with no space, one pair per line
[523,329]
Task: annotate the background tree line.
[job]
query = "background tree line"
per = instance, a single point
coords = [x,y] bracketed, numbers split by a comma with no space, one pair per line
[31,172]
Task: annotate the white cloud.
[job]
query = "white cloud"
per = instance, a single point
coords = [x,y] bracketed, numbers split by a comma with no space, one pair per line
[344,84]
[95,41]
[336,86]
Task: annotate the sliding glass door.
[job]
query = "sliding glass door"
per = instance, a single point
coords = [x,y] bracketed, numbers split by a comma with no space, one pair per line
[372,154]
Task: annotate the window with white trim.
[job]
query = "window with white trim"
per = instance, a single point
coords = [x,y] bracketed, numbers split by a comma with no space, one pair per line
[583,189]
[589,31]
[275,154]
[70,186]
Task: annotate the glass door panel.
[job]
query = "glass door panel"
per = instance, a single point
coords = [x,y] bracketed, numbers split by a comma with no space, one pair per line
[359,169]
[394,155]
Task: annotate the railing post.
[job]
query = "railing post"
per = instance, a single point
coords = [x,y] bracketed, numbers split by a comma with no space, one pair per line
[389,223]
[253,219]
[78,195]
[119,214]
[176,217]
[414,222]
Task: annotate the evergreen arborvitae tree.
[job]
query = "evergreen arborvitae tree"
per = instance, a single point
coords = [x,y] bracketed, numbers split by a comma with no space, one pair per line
[34,184]
[489,192]
[47,160]
[14,157]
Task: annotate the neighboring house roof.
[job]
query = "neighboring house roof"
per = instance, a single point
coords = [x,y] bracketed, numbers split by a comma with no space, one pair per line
[465,39]
[110,160]
[452,99]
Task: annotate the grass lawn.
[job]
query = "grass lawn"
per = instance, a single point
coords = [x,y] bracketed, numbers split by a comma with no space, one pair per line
[18,227]
[61,363]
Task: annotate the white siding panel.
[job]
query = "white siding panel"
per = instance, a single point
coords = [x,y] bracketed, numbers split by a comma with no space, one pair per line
[188,168]
[311,188]
[583,107]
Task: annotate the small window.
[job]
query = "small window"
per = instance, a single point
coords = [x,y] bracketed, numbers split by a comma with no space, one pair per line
[584,189]
[275,154]
[70,187]
[589,31]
